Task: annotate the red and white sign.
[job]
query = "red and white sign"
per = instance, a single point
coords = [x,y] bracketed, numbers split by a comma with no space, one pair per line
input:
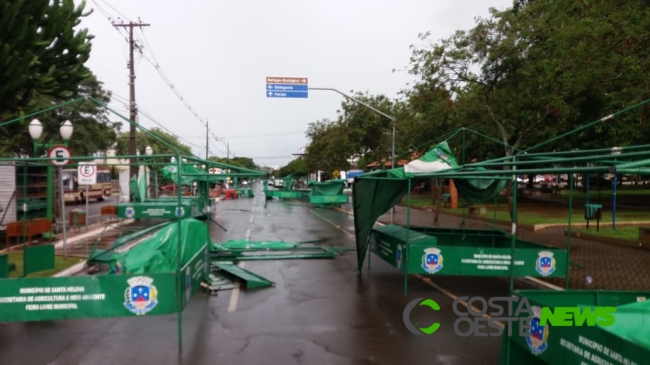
[60,154]
[87,173]
[214,170]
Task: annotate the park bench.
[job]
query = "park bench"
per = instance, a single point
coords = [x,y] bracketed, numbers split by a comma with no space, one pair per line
[30,228]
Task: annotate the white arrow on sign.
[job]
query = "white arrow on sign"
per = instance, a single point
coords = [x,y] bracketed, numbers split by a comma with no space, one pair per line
[269,87]
[270,93]
[61,154]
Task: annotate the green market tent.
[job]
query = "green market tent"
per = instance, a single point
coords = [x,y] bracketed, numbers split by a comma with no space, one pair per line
[373,194]
[327,188]
[171,172]
[160,252]
[633,324]
[288,182]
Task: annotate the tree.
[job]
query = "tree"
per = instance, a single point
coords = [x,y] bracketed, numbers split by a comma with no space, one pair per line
[245,162]
[40,51]
[358,132]
[330,146]
[544,69]
[143,140]
[297,168]
[93,131]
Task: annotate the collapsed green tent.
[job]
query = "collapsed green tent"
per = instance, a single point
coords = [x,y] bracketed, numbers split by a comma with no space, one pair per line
[160,252]
[171,172]
[327,188]
[373,194]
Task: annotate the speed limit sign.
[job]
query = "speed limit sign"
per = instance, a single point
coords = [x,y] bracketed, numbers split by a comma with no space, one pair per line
[60,154]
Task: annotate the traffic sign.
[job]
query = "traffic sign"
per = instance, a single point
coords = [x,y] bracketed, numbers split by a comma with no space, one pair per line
[87,173]
[61,154]
[287,87]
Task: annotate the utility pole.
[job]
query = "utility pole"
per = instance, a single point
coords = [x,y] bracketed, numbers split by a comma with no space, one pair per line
[227,152]
[132,106]
[206,139]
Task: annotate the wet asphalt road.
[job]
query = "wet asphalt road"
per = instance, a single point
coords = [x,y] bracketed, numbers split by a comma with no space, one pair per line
[320,311]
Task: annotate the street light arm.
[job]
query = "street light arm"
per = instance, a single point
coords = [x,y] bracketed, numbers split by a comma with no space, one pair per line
[355,100]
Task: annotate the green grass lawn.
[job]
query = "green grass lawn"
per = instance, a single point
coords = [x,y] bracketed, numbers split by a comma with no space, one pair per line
[59,265]
[528,217]
[621,232]
[605,193]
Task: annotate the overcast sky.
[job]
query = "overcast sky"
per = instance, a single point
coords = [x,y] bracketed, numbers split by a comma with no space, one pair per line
[217,54]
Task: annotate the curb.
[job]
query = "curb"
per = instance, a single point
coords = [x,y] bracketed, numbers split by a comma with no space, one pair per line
[94,232]
[610,240]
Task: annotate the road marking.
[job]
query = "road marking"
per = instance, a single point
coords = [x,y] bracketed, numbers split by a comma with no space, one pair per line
[248,235]
[234,296]
[251,220]
[330,222]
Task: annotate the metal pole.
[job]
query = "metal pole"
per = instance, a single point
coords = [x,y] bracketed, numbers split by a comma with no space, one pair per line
[568,236]
[406,245]
[614,203]
[392,211]
[65,243]
[87,211]
[207,131]
[49,209]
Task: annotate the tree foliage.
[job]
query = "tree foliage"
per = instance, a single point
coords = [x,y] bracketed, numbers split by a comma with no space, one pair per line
[245,162]
[357,132]
[40,51]
[297,168]
[523,76]
[93,131]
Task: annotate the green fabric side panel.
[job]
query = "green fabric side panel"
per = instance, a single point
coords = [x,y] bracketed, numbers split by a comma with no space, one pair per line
[133,187]
[371,198]
[479,190]
[327,188]
[632,323]
[288,182]
[160,252]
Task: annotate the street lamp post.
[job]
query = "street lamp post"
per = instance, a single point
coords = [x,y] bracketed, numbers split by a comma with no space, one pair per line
[392,119]
[35,131]
[149,151]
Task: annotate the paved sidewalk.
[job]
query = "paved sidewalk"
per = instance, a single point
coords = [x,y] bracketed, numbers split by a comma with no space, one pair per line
[610,266]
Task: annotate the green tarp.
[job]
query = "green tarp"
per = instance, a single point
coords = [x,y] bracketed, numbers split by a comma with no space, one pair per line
[327,188]
[632,323]
[247,245]
[375,193]
[160,253]
[171,172]
[288,182]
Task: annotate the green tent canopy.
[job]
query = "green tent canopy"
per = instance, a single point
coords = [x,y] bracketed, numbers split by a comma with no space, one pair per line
[327,188]
[374,193]
[160,252]
[171,172]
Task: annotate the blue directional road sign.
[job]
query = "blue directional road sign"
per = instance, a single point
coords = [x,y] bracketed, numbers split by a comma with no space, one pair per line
[287,87]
